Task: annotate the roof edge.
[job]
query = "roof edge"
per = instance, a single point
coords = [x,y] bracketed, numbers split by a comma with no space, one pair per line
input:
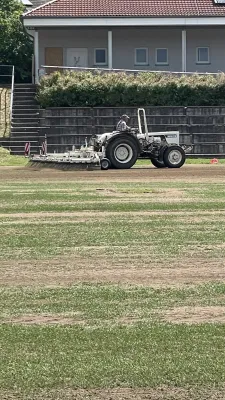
[107,22]
[121,16]
[37,8]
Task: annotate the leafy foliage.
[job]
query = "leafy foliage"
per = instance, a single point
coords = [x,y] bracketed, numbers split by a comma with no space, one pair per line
[73,89]
[16,47]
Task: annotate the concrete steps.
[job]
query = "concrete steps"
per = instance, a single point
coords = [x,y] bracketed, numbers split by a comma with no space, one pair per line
[25,119]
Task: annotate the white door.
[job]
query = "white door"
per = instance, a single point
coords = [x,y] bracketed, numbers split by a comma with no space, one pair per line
[77,57]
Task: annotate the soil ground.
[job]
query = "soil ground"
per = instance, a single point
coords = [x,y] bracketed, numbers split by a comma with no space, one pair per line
[188,173]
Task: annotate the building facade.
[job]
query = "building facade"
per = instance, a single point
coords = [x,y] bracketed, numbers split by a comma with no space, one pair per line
[179,36]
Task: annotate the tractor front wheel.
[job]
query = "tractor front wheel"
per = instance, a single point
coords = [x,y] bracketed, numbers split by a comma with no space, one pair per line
[174,157]
[105,164]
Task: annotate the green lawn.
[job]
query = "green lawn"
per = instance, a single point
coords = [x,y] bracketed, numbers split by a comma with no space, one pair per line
[7,160]
[100,304]
[40,239]
[80,305]
[126,356]
[194,161]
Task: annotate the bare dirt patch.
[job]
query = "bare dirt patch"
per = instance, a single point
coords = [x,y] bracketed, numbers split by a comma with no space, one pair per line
[67,271]
[43,320]
[159,393]
[189,215]
[188,173]
[171,193]
[194,315]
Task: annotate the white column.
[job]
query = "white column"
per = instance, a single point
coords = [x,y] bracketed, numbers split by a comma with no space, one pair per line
[36,56]
[110,49]
[33,70]
[184,51]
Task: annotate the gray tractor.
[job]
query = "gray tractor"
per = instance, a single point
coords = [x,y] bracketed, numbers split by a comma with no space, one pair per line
[122,149]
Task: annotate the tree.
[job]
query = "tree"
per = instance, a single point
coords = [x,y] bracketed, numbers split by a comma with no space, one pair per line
[16,47]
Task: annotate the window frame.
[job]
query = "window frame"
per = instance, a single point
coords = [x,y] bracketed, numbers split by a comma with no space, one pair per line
[202,62]
[106,56]
[167,59]
[147,56]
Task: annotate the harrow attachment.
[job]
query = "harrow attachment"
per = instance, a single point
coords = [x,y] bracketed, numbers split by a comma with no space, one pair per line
[83,159]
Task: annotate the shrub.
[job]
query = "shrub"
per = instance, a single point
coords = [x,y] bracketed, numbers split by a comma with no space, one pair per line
[84,89]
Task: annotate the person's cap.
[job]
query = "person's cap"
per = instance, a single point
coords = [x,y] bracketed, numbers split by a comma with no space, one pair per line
[125,116]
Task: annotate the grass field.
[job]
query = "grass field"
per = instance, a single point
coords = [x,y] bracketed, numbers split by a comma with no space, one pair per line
[8,160]
[112,284]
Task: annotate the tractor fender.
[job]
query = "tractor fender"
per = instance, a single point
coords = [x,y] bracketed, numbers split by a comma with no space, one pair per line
[125,136]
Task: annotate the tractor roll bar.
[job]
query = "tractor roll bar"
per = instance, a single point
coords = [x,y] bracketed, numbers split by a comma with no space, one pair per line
[142,115]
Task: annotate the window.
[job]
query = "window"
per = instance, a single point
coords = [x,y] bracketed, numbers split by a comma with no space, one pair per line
[161,56]
[141,56]
[202,55]
[100,57]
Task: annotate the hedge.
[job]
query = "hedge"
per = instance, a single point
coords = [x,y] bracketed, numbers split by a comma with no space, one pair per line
[85,89]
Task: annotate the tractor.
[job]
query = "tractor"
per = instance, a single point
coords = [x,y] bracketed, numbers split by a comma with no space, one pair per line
[122,149]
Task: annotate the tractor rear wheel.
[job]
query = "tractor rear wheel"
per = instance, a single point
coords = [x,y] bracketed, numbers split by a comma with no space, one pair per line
[157,163]
[122,152]
[174,157]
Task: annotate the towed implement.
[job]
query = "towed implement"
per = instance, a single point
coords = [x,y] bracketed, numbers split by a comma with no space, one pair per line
[85,158]
[122,149]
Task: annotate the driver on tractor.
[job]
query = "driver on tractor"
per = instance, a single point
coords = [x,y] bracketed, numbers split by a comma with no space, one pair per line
[122,124]
[120,128]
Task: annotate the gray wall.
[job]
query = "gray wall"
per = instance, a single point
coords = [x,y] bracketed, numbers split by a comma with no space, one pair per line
[126,40]
[212,38]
